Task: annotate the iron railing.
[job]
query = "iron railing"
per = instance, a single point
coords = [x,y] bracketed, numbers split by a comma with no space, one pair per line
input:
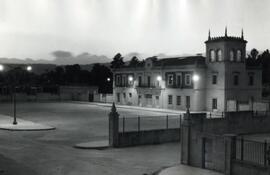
[143,123]
[252,151]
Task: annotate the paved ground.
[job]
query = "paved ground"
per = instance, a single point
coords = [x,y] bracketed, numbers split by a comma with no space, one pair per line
[6,123]
[52,152]
[187,170]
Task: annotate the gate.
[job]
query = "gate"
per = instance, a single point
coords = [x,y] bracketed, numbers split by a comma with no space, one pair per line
[208,153]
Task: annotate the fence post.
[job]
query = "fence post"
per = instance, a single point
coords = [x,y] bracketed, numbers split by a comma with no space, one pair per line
[242,149]
[139,123]
[113,127]
[124,124]
[265,153]
[167,122]
[180,121]
[230,152]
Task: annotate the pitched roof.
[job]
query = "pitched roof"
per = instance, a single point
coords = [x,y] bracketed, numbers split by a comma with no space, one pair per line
[177,61]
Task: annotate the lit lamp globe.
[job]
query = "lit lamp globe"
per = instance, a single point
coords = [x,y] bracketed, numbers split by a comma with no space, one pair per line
[1,67]
[29,68]
[195,78]
[159,78]
[130,78]
[108,79]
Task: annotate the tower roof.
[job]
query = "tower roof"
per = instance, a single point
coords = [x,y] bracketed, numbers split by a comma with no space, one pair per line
[226,38]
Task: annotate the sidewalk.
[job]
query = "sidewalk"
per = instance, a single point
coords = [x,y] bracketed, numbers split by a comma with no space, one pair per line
[187,170]
[23,125]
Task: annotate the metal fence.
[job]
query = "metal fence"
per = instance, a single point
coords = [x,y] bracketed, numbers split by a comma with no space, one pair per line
[142,123]
[252,151]
[261,113]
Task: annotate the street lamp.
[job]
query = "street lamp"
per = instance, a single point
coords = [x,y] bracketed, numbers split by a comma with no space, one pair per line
[2,68]
[195,77]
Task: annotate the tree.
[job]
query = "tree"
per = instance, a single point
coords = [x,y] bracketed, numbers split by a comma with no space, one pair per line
[134,61]
[254,53]
[117,61]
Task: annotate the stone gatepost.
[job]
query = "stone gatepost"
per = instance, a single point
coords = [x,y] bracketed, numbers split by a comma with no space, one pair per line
[113,127]
[185,139]
[230,152]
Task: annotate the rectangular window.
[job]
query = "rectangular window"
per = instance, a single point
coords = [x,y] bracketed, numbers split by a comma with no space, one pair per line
[170,99]
[250,80]
[118,97]
[130,95]
[178,80]
[148,95]
[148,81]
[188,79]
[188,101]
[124,80]
[118,80]
[170,80]
[140,81]
[214,103]
[214,79]
[124,95]
[235,80]
[178,100]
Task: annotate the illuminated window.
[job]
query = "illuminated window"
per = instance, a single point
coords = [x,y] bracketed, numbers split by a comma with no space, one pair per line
[212,56]
[239,56]
[232,55]
[219,55]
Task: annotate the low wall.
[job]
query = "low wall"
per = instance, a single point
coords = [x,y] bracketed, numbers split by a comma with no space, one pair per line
[239,168]
[148,137]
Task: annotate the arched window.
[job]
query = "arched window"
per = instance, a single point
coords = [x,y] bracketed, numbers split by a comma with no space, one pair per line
[212,56]
[239,56]
[232,55]
[219,55]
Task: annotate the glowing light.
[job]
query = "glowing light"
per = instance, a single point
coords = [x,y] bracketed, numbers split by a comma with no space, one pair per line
[1,67]
[108,79]
[130,78]
[159,78]
[29,68]
[195,77]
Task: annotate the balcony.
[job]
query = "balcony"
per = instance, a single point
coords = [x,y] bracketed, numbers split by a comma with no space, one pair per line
[148,89]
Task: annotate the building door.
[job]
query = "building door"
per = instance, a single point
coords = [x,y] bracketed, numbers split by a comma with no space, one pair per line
[148,100]
[91,97]
[156,102]
[208,153]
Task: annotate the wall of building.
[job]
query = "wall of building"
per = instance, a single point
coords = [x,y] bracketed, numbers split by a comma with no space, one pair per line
[239,168]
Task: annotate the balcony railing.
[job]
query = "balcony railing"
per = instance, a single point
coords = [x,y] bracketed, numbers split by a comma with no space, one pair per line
[148,86]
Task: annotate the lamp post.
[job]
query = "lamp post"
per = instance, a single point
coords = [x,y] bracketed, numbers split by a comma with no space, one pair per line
[14,68]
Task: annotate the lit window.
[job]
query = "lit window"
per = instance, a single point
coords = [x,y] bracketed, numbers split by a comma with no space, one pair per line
[239,56]
[219,55]
[212,56]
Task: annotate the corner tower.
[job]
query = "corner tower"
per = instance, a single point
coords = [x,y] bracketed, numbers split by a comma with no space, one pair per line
[225,60]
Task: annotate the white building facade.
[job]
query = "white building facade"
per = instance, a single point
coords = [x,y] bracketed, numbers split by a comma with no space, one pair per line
[221,81]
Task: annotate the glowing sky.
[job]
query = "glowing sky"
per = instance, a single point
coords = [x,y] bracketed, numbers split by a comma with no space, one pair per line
[35,28]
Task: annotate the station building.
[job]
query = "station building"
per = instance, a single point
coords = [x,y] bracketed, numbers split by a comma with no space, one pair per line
[220,81]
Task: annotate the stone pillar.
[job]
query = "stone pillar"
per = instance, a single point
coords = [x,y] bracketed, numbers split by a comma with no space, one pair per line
[113,127]
[185,139]
[230,152]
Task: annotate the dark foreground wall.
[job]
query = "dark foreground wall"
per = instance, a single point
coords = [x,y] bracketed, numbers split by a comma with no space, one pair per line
[148,137]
